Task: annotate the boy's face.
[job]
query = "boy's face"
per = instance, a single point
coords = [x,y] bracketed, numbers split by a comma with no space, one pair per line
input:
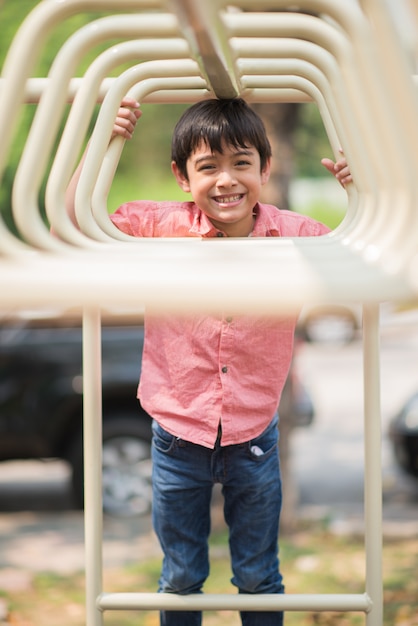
[226,186]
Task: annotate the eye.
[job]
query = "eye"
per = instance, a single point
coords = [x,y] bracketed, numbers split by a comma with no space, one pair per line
[243,159]
[205,167]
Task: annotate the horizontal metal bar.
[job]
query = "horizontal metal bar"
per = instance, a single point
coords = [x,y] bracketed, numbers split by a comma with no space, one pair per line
[191,275]
[235,602]
[36,86]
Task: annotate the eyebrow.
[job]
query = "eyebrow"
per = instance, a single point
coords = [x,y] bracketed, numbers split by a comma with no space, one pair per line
[210,155]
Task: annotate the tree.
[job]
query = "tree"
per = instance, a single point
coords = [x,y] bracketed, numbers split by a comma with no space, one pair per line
[281,122]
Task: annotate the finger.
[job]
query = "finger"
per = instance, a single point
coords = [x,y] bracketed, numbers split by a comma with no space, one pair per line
[342,169]
[130,102]
[123,128]
[329,165]
[129,114]
[125,122]
[346,177]
[341,164]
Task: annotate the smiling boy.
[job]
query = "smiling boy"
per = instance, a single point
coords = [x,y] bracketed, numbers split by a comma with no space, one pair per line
[225,185]
[213,383]
[225,166]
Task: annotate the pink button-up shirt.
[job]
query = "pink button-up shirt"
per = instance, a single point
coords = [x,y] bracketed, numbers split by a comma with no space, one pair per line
[202,371]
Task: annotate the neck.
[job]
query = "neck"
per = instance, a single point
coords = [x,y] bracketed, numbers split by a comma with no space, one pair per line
[241,229]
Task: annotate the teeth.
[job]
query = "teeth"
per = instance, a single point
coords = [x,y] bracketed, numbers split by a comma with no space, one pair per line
[228,198]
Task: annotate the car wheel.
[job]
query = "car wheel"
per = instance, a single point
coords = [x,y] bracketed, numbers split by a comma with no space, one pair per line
[126,462]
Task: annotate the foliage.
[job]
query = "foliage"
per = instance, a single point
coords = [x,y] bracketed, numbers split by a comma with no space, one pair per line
[311,143]
[313,560]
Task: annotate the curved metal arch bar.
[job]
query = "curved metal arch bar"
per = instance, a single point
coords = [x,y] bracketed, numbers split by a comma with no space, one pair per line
[80,113]
[26,46]
[34,159]
[100,139]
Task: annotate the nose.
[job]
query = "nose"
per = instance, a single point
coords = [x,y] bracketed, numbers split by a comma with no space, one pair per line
[226,178]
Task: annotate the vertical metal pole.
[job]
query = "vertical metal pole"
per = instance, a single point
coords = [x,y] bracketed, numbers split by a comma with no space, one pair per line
[373,464]
[93,516]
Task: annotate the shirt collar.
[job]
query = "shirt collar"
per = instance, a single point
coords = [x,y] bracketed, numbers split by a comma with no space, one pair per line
[201,224]
[266,222]
[264,226]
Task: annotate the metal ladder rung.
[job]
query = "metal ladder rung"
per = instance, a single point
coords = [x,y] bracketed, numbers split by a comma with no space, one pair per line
[235,602]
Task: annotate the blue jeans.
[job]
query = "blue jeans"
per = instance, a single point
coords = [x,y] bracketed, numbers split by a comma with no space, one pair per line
[183,477]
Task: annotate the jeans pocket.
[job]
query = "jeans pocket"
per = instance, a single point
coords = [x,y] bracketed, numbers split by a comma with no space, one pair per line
[265,444]
[162,440]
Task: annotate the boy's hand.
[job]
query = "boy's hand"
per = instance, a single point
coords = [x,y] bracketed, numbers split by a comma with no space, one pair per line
[126,119]
[339,169]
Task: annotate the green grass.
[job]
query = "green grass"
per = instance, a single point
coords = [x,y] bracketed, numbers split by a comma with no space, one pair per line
[313,561]
[150,188]
[323,212]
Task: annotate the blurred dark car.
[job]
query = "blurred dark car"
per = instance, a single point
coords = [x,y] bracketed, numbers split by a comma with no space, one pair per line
[403,433]
[41,387]
[330,322]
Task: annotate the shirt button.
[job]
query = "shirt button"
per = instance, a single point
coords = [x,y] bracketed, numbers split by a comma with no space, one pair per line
[219,234]
[224,369]
[229,319]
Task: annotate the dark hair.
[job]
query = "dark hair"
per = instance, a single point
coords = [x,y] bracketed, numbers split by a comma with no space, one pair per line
[218,123]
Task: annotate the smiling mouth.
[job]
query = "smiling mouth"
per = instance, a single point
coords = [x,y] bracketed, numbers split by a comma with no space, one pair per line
[228,199]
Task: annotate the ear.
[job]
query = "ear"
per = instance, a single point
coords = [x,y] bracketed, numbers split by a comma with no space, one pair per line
[265,172]
[180,178]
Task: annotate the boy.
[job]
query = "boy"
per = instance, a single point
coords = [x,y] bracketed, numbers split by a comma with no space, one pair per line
[213,383]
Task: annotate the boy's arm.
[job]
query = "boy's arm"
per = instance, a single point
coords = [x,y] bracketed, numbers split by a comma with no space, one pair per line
[339,169]
[124,126]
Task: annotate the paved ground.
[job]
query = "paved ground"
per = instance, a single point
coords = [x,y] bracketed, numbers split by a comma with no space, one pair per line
[328,458]
[41,530]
